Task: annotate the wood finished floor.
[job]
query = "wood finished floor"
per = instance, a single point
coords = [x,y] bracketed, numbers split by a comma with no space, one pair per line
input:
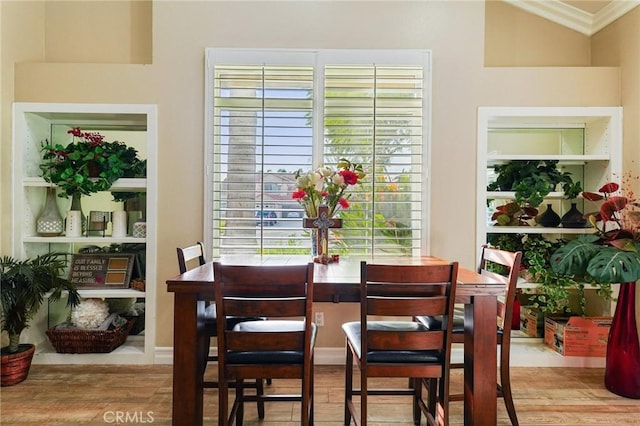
[93,395]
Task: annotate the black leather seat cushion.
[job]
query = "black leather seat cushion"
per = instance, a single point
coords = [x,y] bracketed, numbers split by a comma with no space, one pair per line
[211,322]
[435,322]
[353,334]
[270,357]
[458,323]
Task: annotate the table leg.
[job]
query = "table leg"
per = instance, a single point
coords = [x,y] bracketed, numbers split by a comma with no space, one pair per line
[187,377]
[480,361]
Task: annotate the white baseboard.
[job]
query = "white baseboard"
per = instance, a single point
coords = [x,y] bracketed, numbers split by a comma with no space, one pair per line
[525,352]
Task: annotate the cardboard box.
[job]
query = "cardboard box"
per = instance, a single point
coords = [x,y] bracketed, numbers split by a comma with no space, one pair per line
[531,321]
[577,336]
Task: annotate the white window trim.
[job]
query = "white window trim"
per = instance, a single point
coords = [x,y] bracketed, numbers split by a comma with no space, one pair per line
[319,58]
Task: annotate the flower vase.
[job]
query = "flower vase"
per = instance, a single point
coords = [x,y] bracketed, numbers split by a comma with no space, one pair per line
[573,218]
[50,223]
[549,218]
[622,371]
[76,205]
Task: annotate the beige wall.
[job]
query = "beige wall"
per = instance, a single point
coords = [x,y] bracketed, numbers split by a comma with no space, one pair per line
[619,45]
[514,37]
[453,30]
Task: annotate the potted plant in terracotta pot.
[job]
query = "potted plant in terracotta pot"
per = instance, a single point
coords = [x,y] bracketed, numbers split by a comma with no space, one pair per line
[25,284]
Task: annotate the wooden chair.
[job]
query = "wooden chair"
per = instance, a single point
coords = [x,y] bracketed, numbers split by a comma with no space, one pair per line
[502,266]
[387,347]
[277,348]
[189,258]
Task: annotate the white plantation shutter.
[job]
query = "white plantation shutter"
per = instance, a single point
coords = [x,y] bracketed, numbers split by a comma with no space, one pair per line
[270,113]
[373,114]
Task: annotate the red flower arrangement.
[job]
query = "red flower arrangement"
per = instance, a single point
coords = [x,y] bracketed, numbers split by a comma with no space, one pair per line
[326,186]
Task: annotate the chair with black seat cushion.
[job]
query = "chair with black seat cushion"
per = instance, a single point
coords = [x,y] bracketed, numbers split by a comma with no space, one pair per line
[502,266]
[189,258]
[279,348]
[393,345]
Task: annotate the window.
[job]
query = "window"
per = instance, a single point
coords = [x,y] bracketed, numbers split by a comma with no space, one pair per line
[273,112]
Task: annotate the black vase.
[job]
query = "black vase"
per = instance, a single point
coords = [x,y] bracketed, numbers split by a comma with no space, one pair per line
[573,218]
[549,218]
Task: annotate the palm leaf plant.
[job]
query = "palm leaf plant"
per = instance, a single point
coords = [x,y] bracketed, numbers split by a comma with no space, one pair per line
[25,284]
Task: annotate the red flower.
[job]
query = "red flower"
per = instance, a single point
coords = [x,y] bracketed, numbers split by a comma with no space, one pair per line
[76,131]
[344,203]
[350,177]
[299,194]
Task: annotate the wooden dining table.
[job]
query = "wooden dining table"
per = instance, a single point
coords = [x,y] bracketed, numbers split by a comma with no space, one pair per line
[336,282]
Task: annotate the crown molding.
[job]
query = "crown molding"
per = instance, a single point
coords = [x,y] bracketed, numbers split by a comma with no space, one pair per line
[574,18]
[611,12]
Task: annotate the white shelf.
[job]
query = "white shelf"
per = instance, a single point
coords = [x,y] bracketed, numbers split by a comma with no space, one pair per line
[112,292]
[492,229]
[123,184]
[586,141]
[131,352]
[109,292]
[561,159]
[83,240]
[509,195]
[136,124]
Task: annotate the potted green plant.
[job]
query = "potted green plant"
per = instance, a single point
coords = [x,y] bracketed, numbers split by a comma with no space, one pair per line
[25,284]
[532,180]
[555,290]
[88,164]
[610,256]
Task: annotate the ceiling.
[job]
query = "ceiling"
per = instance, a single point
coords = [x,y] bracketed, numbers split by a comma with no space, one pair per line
[585,16]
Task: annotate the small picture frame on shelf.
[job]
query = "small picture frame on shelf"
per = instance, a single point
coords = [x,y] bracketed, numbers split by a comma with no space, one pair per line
[101,270]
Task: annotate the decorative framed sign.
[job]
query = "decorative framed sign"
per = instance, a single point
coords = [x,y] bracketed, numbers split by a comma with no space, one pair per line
[101,270]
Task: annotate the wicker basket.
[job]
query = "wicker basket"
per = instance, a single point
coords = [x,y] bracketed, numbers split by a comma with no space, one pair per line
[83,341]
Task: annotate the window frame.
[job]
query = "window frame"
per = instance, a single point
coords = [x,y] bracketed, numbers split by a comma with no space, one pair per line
[318,59]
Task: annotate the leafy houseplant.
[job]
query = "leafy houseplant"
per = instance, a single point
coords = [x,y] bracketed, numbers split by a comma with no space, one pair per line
[532,180]
[25,283]
[612,256]
[513,213]
[88,164]
[554,289]
[24,286]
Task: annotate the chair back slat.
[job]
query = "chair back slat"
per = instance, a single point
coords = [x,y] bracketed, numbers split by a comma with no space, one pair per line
[264,281]
[407,274]
[407,340]
[190,256]
[283,307]
[410,306]
[270,341]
